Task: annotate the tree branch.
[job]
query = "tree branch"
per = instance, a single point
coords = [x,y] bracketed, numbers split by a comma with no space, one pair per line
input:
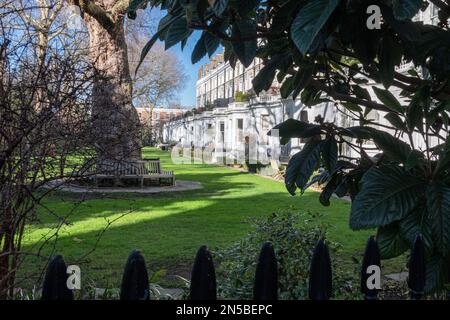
[344,97]
[120,8]
[96,12]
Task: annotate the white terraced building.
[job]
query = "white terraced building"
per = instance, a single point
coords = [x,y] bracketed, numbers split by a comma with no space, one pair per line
[225,123]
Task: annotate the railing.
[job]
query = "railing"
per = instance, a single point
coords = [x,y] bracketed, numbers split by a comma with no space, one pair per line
[135,282]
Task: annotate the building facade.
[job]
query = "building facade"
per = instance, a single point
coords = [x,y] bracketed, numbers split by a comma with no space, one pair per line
[155,118]
[222,123]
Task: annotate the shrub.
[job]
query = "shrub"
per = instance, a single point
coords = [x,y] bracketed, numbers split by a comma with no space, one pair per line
[293,237]
[240,96]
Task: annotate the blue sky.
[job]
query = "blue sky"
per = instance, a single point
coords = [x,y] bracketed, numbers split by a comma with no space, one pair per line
[187,96]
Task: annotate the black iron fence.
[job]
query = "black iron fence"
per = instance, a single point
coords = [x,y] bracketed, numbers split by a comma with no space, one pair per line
[135,281]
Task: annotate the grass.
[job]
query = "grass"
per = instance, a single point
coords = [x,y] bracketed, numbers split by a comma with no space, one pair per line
[168,228]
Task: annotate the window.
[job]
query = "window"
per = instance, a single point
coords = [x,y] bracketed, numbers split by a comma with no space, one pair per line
[240,124]
[240,130]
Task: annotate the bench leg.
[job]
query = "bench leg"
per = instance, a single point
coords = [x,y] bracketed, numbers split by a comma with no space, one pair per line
[142,182]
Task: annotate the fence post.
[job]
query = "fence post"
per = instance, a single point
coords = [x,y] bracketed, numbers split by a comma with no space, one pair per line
[417,269]
[371,258]
[266,275]
[320,276]
[135,284]
[203,279]
[55,281]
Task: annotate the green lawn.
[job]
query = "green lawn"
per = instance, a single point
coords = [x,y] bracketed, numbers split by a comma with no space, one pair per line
[169,227]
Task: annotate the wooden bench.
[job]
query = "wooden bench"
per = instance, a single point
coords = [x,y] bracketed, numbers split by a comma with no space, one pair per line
[141,170]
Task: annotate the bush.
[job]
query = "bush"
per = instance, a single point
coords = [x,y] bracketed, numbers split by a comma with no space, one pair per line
[240,96]
[293,237]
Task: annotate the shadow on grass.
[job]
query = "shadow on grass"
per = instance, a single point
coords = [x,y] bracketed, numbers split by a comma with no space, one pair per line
[169,231]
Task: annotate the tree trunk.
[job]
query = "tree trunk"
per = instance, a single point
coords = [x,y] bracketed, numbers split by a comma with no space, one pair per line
[115,120]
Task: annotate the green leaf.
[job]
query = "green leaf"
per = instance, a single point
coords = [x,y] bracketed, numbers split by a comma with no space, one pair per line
[352,106]
[282,17]
[327,192]
[245,50]
[309,21]
[444,159]
[388,193]
[330,153]
[438,204]
[388,99]
[393,147]
[361,93]
[246,6]
[357,132]
[301,166]
[176,32]
[264,78]
[415,223]
[286,88]
[302,79]
[406,9]
[436,274]
[199,50]
[219,6]
[396,121]
[211,43]
[415,112]
[292,128]
[390,57]
[390,241]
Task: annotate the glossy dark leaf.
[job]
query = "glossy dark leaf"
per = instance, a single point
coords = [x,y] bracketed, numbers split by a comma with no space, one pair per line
[436,274]
[396,121]
[330,153]
[302,79]
[245,50]
[301,166]
[199,50]
[309,21]
[415,223]
[219,6]
[292,128]
[176,32]
[438,205]
[390,241]
[395,148]
[265,77]
[388,194]
[406,9]
[388,99]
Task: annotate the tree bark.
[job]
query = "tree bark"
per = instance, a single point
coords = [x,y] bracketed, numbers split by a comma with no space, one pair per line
[115,121]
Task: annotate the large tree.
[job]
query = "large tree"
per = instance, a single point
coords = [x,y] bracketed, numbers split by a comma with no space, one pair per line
[160,76]
[323,50]
[115,120]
